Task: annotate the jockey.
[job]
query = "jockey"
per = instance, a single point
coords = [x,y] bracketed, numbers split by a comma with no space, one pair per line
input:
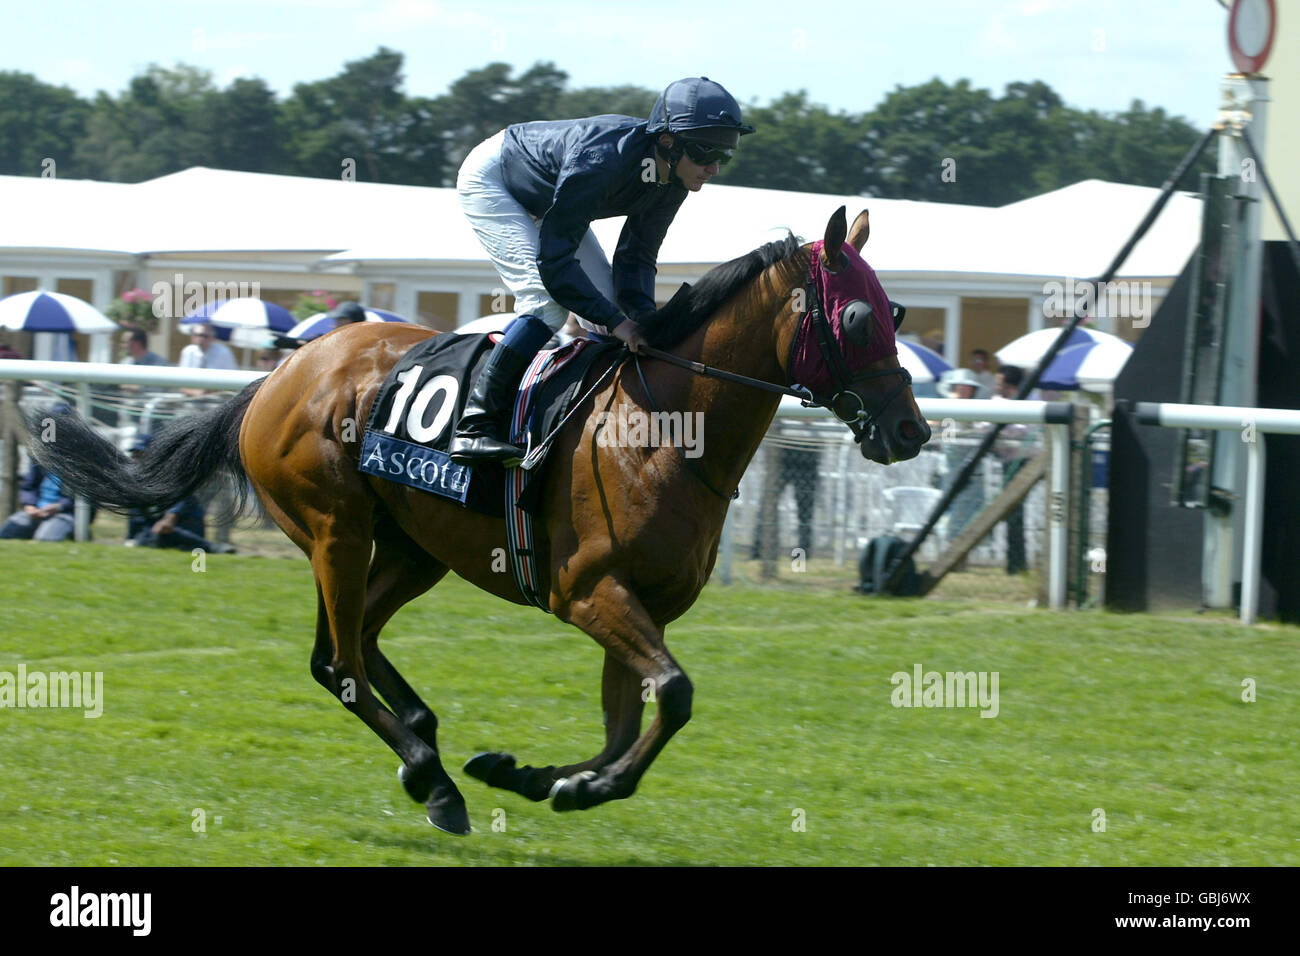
[531,193]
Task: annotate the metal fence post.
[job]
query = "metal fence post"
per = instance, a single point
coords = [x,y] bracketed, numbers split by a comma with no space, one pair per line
[80,506]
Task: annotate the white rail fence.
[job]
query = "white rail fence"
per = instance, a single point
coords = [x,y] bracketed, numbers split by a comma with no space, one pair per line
[863,500]
[1255,422]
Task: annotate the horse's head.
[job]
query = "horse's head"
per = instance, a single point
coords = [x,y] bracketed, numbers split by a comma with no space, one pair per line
[844,350]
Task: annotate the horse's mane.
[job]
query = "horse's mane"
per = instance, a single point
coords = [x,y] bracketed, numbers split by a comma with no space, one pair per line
[693,305]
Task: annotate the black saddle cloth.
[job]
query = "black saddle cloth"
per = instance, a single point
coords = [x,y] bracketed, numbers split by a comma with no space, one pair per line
[415,415]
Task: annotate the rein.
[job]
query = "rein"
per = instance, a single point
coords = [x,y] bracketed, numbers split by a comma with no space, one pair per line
[636,359]
[862,423]
[708,371]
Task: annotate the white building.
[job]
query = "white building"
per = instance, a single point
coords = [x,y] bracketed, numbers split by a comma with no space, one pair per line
[974,277]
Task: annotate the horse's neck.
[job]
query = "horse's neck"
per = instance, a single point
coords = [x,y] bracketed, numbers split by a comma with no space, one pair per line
[747,337]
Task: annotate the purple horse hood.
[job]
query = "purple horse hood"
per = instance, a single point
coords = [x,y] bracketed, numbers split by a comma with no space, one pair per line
[837,289]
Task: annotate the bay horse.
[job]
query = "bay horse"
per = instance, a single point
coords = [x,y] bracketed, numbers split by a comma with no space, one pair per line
[626,537]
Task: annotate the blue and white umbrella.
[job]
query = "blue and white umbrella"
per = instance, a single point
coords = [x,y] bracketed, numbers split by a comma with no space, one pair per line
[317,325]
[1028,350]
[925,365]
[252,323]
[203,316]
[1089,365]
[252,314]
[41,311]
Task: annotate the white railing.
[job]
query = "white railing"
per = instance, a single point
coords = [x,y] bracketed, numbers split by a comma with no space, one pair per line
[1261,421]
[85,374]
[106,373]
[1055,416]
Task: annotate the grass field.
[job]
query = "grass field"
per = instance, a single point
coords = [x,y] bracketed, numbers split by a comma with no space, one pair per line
[209,706]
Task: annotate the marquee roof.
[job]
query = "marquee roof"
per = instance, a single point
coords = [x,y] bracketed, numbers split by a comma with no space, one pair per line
[1074,231]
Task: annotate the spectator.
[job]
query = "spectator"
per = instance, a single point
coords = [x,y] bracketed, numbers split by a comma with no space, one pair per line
[1008,382]
[933,340]
[961,383]
[268,360]
[46,513]
[204,351]
[6,352]
[787,465]
[136,344]
[345,313]
[1015,449]
[979,364]
[180,526]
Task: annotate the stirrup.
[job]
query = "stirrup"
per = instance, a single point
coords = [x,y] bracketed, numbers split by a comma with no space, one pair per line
[473,450]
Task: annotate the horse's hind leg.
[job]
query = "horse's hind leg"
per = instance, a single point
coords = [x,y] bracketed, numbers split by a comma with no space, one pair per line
[623,701]
[340,557]
[401,571]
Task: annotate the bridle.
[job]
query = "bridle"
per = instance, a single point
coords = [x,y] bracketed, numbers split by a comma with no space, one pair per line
[861,422]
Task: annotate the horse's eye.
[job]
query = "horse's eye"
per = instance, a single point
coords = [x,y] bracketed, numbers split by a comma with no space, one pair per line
[899,312]
[858,320]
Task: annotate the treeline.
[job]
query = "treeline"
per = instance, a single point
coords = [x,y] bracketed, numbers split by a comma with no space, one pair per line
[950,143]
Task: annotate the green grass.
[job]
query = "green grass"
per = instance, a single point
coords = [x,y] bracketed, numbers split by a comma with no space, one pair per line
[209,705]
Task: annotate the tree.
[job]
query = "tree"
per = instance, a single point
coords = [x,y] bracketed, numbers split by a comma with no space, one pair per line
[485,101]
[933,142]
[357,115]
[243,128]
[158,125]
[38,122]
[595,100]
[801,146]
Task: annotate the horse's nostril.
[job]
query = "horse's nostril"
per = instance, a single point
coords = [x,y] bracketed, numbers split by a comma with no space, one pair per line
[913,432]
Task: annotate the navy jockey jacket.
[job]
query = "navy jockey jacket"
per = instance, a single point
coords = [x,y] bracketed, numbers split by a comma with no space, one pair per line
[572,172]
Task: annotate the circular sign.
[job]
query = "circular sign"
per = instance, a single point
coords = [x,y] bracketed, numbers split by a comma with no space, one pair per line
[1250,33]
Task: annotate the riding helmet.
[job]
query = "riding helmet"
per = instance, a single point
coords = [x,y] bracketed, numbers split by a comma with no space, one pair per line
[702,107]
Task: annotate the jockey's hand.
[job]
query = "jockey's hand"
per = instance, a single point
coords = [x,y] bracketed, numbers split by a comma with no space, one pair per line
[629,333]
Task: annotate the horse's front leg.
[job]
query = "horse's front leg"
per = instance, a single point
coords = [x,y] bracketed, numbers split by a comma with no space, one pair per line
[623,700]
[615,617]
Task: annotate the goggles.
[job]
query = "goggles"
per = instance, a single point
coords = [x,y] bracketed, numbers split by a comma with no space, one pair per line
[705,154]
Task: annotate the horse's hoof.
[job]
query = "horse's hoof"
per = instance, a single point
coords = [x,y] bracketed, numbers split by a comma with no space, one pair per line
[490,767]
[418,789]
[569,794]
[449,815]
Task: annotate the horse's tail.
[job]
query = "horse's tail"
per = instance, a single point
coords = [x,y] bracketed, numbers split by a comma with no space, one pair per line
[185,455]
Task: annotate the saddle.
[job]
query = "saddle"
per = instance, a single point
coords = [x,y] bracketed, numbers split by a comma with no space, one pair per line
[417,410]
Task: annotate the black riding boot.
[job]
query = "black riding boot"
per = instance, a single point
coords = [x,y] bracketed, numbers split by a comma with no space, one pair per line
[478,436]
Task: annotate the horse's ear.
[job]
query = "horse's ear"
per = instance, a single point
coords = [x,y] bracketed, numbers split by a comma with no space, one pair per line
[860,230]
[836,231]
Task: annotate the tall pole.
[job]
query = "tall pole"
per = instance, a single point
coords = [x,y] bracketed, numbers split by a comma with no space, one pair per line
[1245,106]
